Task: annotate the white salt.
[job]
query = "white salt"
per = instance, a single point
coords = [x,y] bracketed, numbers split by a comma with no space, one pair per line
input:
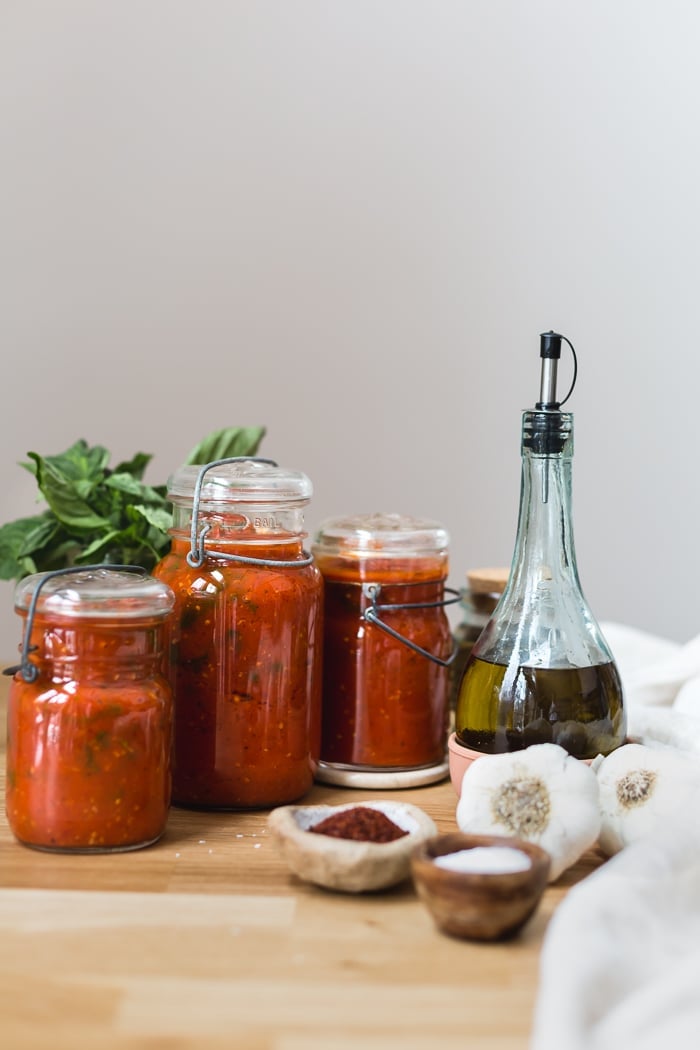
[485,860]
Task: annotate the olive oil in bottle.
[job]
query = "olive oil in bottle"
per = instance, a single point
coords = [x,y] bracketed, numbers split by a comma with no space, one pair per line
[541,670]
[579,708]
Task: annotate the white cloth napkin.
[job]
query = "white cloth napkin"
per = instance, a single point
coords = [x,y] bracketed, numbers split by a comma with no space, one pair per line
[620,964]
[661,680]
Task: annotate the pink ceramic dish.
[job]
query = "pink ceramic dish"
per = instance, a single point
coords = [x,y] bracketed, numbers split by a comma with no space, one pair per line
[461,758]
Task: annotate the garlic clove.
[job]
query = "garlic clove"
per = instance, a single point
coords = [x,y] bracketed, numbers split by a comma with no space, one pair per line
[541,794]
[640,789]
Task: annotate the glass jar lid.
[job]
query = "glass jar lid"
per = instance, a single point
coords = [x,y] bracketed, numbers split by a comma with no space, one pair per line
[242,481]
[366,535]
[95,593]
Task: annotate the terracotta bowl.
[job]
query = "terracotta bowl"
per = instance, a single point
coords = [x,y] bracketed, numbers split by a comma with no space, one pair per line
[483,906]
[461,758]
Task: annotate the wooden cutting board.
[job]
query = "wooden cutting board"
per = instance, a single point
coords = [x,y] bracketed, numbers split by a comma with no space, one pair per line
[206,941]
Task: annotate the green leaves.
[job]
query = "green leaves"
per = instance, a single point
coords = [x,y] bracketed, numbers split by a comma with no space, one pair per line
[222,444]
[18,540]
[67,490]
[97,514]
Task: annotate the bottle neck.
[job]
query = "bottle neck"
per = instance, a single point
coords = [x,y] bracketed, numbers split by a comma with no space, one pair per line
[544,547]
[543,619]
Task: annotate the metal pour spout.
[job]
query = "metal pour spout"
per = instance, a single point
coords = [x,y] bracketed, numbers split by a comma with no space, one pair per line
[550,352]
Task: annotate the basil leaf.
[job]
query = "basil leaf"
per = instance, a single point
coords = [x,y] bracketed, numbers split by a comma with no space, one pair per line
[60,552]
[158,517]
[13,563]
[223,444]
[64,499]
[126,483]
[99,549]
[137,544]
[83,461]
[38,535]
[80,462]
[134,466]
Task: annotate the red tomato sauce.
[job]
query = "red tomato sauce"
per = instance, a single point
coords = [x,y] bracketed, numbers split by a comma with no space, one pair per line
[384,705]
[247,682]
[89,742]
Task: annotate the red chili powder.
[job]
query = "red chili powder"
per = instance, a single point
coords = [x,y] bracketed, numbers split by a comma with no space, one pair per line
[360,823]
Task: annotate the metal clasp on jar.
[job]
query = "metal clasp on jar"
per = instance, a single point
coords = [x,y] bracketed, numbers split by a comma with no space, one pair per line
[197,551]
[371,615]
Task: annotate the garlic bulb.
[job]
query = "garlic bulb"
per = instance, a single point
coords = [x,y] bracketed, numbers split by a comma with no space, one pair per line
[640,789]
[541,794]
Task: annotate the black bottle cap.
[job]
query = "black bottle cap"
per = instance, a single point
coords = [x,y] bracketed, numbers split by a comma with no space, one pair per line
[550,345]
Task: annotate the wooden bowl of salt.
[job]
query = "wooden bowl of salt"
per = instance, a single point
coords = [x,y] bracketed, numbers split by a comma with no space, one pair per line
[481,887]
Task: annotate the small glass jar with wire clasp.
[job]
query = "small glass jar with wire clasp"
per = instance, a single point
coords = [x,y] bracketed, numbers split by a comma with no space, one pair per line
[90,711]
[387,649]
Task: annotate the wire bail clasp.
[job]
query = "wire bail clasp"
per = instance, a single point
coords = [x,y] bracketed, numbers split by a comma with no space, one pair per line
[28,670]
[371,615]
[197,552]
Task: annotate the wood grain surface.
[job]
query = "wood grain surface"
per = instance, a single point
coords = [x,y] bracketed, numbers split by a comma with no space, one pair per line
[205,941]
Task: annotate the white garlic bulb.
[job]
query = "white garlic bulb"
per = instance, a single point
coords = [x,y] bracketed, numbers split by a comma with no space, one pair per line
[641,788]
[541,794]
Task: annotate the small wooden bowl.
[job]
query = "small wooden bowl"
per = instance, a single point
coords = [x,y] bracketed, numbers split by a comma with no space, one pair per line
[479,906]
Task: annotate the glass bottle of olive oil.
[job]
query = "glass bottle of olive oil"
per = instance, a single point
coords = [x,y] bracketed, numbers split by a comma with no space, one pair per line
[541,670]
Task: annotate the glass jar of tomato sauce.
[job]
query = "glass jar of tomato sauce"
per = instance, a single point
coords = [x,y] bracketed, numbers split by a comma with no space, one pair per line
[387,649]
[90,711]
[247,649]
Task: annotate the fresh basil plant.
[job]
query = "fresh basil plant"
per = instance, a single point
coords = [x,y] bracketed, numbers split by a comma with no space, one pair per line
[96,513]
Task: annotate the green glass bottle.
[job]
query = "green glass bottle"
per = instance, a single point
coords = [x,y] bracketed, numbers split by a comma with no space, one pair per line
[541,670]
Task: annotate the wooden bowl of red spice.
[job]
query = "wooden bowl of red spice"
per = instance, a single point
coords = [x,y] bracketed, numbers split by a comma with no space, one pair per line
[355,848]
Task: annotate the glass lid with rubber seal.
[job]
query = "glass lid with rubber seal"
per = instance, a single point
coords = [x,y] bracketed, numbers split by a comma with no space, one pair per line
[95,592]
[259,481]
[385,534]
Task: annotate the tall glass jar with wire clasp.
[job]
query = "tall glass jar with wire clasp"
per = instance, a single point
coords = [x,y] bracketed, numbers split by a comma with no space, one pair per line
[89,726]
[387,648]
[247,646]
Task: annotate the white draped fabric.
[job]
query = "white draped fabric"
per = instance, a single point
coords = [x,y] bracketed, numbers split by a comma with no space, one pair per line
[620,964]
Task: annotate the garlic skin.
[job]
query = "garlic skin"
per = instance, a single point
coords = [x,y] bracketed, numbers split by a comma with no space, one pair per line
[641,789]
[541,794]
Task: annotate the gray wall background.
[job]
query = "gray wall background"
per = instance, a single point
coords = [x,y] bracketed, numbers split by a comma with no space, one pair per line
[350,221]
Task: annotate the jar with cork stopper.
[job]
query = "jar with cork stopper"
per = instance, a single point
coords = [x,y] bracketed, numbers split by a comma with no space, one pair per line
[478,600]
